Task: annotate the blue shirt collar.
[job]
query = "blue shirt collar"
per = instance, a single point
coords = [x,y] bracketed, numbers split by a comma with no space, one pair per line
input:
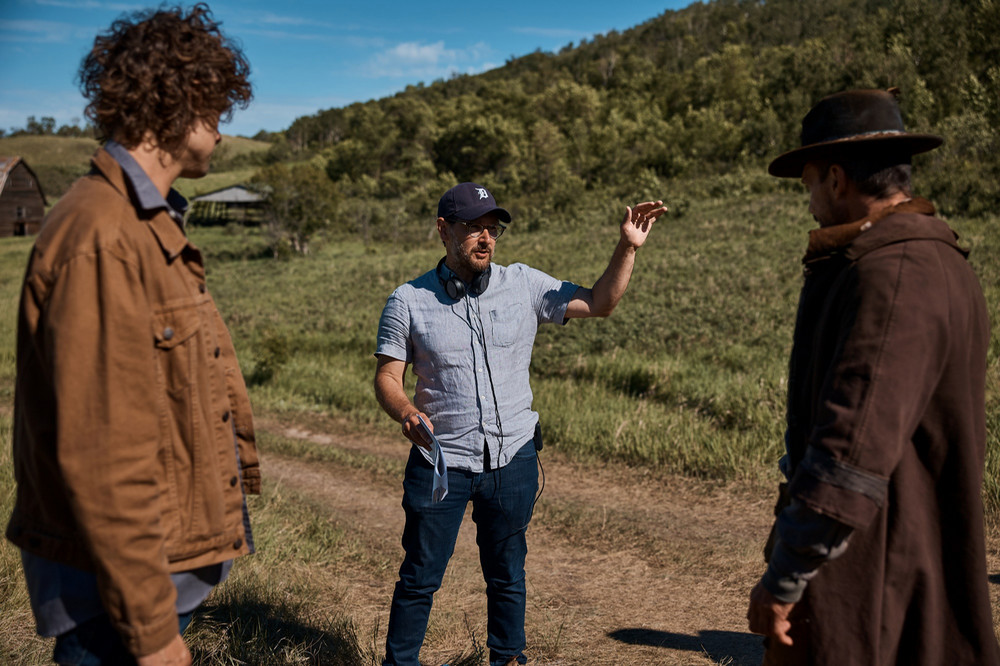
[145,195]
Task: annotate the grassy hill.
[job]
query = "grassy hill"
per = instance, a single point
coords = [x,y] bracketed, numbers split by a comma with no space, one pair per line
[58,151]
[714,89]
[235,146]
[58,161]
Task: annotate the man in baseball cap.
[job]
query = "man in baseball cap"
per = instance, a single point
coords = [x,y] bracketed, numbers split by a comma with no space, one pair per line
[877,554]
[467,328]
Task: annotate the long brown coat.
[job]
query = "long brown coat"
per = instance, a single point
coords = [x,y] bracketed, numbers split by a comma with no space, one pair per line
[886,433]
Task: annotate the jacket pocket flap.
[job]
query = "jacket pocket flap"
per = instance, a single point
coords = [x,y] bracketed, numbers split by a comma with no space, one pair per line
[174,327]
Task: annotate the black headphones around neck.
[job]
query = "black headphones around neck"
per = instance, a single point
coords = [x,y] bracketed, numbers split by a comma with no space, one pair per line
[455,287]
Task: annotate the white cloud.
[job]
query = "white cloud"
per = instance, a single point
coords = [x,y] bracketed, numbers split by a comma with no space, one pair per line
[353,41]
[91,4]
[42,32]
[281,34]
[277,19]
[267,18]
[416,55]
[418,60]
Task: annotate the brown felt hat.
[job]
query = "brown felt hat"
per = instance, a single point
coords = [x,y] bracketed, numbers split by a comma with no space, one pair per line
[850,124]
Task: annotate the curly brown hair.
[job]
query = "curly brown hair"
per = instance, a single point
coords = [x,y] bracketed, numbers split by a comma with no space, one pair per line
[157,72]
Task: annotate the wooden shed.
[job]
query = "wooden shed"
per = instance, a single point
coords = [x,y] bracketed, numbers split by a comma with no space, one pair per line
[22,202]
[236,203]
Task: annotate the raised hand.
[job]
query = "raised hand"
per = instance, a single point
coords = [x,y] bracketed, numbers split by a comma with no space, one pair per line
[638,221]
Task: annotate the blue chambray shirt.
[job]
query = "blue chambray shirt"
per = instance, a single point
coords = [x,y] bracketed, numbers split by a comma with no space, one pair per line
[464,352]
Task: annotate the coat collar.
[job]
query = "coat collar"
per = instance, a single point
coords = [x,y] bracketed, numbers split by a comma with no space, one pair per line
[910,220]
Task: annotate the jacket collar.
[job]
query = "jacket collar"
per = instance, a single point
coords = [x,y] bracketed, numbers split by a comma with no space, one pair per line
[145,196]
[164,219]
[910,220]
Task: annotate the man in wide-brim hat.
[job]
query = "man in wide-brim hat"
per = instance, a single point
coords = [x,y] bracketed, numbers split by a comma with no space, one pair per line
[877,554]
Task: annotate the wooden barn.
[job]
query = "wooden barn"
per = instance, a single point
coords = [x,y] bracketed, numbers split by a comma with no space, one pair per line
[22,202]
[236,203]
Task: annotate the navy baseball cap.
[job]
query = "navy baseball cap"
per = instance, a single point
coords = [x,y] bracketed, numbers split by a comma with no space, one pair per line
[468,201]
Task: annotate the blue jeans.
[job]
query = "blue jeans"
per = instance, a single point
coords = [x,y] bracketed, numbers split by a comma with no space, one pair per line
[502,501]
[95,642]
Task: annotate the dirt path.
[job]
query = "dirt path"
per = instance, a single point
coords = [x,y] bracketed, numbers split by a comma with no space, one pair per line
[623,568]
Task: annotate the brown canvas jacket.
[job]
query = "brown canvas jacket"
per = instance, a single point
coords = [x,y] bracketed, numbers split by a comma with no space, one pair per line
[127,399]
[886,433]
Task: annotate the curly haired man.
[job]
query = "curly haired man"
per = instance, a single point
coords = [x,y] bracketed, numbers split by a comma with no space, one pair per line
[133,439]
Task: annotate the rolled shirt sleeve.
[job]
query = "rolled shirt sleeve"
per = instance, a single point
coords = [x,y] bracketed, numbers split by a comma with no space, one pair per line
[394,329]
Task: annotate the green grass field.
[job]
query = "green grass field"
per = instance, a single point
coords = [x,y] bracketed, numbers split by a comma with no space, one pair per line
[687,375]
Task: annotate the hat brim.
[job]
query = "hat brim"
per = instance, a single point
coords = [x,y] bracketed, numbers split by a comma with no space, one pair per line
[476,213]
[502,215]
[790,164]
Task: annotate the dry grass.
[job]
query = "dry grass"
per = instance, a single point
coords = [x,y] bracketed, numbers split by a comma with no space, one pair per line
[19,644]
[619,559]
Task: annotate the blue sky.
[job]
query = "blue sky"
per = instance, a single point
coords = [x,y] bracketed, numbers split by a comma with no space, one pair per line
[306,55]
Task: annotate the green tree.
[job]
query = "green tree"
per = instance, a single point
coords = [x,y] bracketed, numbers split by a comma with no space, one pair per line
[479,145]
[300,202]
[44,127]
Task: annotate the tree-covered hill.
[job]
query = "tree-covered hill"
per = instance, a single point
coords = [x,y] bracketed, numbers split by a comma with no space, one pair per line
[708,93]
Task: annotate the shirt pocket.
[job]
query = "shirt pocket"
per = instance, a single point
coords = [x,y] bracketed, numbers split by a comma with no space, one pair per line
[505,325]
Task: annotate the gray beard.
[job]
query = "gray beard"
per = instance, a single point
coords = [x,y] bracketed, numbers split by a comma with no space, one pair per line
[466,262]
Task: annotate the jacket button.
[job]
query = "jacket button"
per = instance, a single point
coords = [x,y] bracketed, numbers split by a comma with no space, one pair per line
[225,416]
[237,544]
[202,288]
[233,481]
[217,352]
[168,333]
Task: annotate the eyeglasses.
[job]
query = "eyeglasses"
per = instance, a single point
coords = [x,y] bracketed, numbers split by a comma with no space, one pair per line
[475,230]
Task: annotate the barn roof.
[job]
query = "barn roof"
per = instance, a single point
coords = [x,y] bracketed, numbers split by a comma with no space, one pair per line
[7,164]
[232,194]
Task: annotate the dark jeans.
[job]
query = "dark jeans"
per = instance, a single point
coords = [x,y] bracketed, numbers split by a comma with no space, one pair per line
[501,508]
[95,642]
